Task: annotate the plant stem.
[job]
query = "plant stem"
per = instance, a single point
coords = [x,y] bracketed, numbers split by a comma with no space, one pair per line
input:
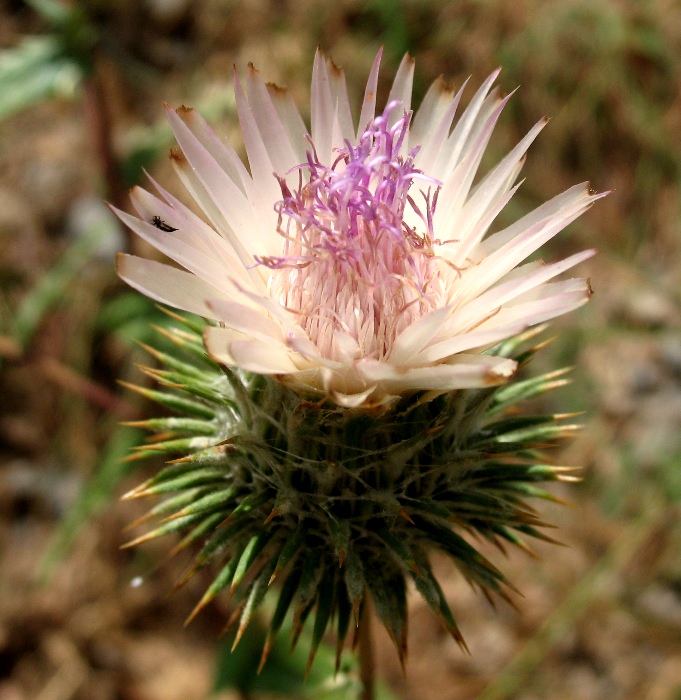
[367,661]
[99,120]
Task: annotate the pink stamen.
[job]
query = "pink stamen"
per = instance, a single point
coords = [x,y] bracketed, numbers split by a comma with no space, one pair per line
[349,259]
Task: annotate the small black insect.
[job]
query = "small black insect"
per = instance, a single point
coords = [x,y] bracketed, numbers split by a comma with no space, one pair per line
[161,225]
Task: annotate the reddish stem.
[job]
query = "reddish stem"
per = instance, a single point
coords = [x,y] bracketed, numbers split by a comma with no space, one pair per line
[98,120]
[367,661]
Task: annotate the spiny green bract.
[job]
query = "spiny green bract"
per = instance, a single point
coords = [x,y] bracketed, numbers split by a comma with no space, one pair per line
[339,503]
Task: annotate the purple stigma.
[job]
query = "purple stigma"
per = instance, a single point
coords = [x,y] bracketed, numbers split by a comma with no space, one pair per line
[346,209]
[357,253]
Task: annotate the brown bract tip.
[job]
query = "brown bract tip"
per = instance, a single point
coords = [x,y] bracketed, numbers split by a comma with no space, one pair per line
[336,69]
[443,86]
[168,312]
[119,261]
[265,653]
[177,155]
[277,89]
[494,378]
[271,516]
[403,513]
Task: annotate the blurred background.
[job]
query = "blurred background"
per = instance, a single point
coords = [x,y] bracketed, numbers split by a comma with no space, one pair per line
[82,86]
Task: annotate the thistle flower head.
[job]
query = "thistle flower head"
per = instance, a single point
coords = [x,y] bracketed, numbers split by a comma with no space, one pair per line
[355,265]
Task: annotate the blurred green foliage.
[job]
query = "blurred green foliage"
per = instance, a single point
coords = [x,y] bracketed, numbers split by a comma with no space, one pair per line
[95,496]
[284,673]
[35,70]
[51,65]
[53,288]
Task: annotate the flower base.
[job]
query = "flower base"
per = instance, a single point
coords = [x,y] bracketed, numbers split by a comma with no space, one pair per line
[335,503]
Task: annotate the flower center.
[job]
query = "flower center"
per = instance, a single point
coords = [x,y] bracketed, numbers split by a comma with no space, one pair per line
[357,253]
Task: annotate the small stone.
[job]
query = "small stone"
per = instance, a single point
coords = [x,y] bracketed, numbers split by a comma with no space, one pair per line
[662,603]
[649,309]
[670,353]
[645,379]
[167,11]
[90,218]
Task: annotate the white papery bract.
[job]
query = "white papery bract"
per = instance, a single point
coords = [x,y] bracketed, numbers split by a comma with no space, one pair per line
[355,263]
